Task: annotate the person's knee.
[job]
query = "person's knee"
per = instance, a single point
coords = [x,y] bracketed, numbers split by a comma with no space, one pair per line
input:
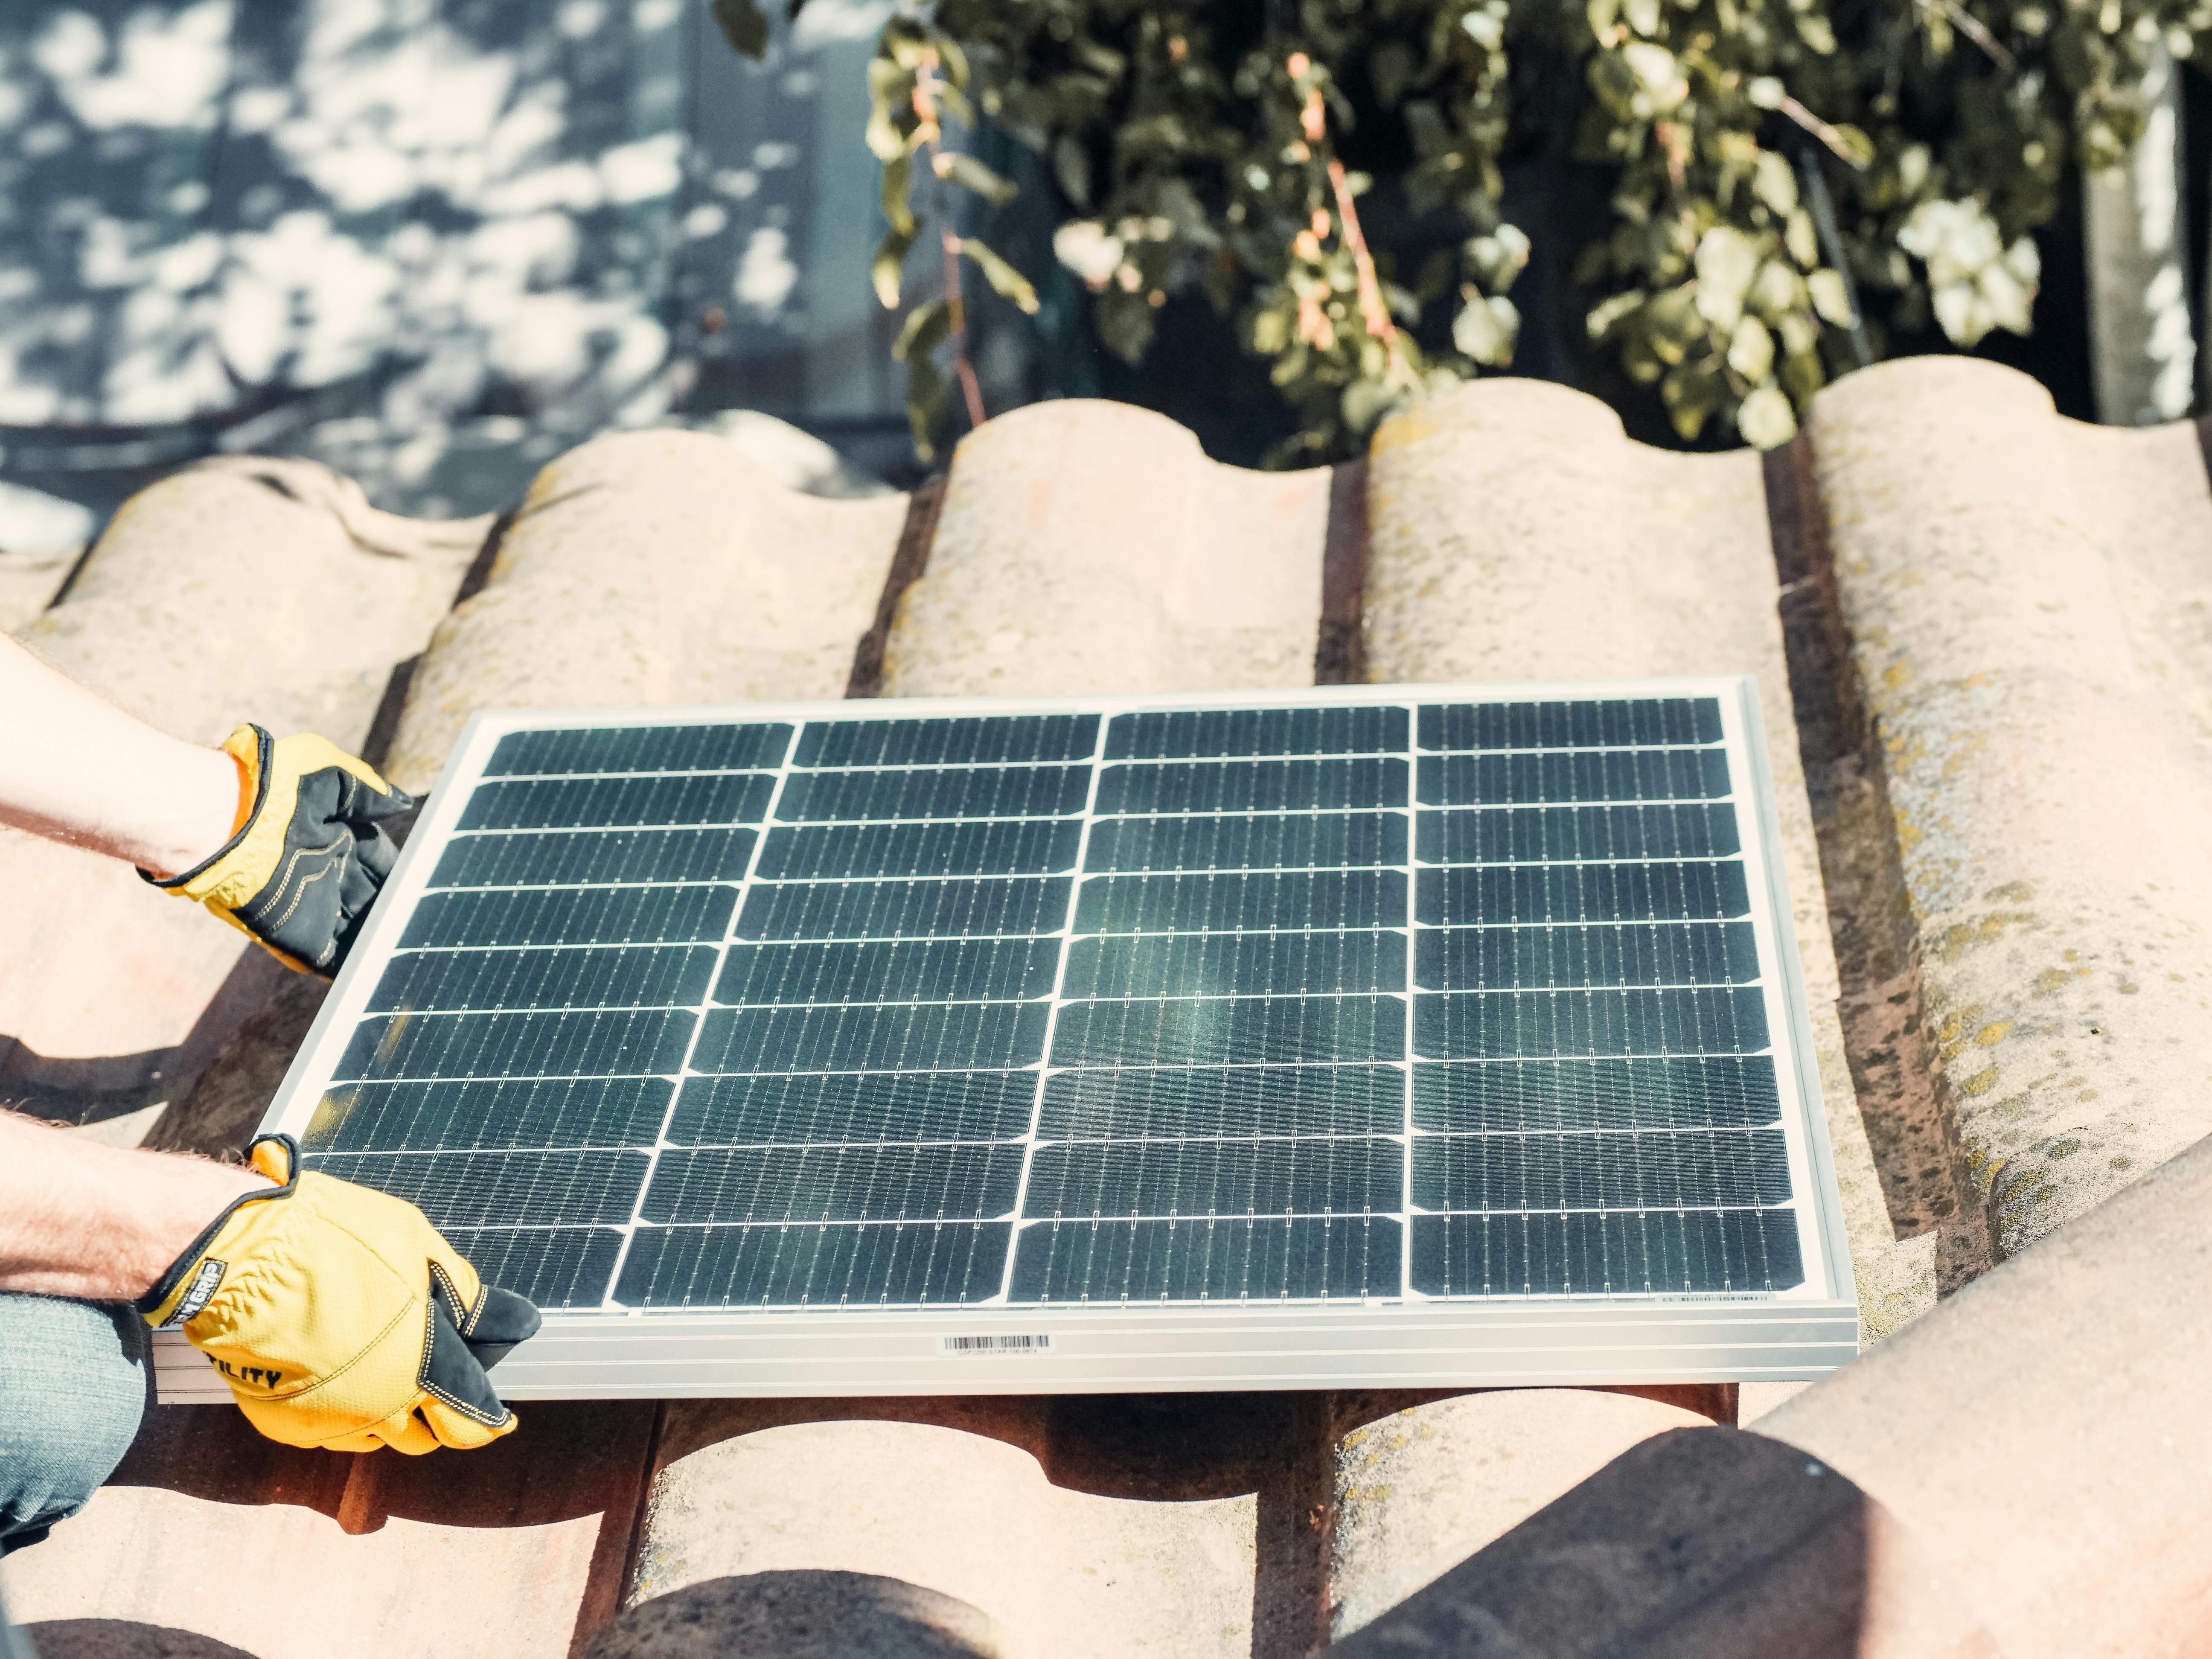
[73,1387]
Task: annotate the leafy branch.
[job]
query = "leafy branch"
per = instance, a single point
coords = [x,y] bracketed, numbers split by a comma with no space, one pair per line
[1796,183]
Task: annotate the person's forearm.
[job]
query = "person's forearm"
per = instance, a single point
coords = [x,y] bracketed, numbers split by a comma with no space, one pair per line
[77,770]
[99,1223]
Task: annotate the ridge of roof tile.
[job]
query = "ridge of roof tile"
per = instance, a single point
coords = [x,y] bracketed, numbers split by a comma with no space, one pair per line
[970,1516]
[653,567]
[2043,1434]
[1082,546]
[1087,546]
[1418,1491]
[2025,596]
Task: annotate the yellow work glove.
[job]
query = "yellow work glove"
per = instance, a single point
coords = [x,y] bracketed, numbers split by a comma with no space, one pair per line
[340,1317]
[301,871]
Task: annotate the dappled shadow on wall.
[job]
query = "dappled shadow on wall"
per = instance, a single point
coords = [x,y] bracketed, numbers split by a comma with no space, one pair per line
[434,242]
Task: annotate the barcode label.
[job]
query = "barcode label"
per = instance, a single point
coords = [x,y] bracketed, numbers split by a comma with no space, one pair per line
[1023,1344]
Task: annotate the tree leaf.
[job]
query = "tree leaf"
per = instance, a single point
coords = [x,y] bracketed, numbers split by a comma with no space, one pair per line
[1751,350]
[1070,166]
[951,56]
[924,330]
[898,194]
[1727,260]
[906,43]
[1486,329]
[926,389]
[1365,403]
[1774,182]
[1765,419]
[1125,324]
[744,25]
[1691,392]
[958,167]
[1007,282]
[952,104]
[1830,297]
[887,269]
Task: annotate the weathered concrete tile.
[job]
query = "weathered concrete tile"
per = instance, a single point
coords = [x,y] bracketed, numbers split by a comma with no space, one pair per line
[29,582]
[654,567]
[803,1615]
[2025,597]
[1089,546]
[1419,1491]
[1081,547]
[1698,1544]
[1517,534]
[1063,1574]
[210,1531]
[2042,1433]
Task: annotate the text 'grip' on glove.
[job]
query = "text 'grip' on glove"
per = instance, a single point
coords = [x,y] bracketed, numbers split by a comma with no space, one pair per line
[340,1317]
[301,872]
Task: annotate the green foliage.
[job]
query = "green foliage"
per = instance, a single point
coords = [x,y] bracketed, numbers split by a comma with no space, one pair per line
[1199,158]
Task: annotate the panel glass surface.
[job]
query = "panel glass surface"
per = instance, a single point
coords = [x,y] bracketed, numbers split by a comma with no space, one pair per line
[1395,1002]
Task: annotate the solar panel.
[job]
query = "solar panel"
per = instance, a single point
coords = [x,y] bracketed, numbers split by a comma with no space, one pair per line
[1352,1035]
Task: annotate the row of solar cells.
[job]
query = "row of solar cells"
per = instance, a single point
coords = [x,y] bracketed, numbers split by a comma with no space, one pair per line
[820,1108]
[1041,791]
[1335,1176]
[940,741]
[1100,1261]
[1017,846]
[1132,965]
[1044,847]
[1295,901]
[1109,1033]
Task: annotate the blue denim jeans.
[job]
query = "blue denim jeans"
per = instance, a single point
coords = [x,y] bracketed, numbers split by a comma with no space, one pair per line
[74,1379]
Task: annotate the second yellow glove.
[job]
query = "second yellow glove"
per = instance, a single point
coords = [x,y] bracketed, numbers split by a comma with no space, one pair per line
[341,1318]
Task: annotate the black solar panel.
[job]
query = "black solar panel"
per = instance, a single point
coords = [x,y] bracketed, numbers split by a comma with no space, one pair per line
[1370,1001]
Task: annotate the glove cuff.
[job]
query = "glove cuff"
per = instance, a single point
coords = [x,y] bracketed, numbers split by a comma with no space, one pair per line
[177,1293]
[252,747]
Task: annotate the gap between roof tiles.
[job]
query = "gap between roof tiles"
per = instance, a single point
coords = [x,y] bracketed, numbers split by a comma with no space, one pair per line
[1915,1143]
[916,537]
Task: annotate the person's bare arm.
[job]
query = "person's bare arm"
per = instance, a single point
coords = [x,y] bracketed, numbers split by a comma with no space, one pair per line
[100,1223]
[77,770]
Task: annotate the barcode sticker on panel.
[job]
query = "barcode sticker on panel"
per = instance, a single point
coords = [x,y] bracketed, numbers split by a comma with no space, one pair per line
[987,1344]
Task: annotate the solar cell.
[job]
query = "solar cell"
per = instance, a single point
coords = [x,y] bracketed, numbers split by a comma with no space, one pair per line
[1356,1035]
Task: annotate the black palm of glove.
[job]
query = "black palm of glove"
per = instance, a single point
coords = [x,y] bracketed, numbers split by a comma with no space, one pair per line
[302,872]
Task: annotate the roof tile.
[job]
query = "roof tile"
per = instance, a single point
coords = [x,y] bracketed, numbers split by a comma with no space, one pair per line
[1091,547]
[654,567]
[2023,593]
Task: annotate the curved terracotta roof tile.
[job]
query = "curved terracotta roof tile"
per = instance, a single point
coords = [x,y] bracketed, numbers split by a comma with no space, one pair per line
[2025,594]
[654,567]
[1089,546]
